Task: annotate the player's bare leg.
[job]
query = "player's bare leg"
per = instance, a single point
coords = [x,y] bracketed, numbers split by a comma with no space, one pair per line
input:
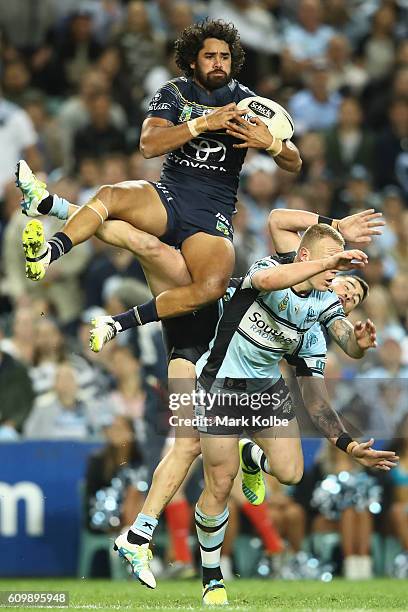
[136,202]
[167,479]
[276,451]
[164,267]
[173,468]
[221,463]
[283,449]
[210,259]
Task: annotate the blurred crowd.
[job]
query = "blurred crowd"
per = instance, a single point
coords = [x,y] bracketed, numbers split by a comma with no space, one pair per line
[75,81]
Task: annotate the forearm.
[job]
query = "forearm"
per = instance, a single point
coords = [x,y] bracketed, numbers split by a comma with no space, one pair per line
[321,412]
[289,158]
[284,226]
[288,275]
[342,333]
[156,141]
[291,220]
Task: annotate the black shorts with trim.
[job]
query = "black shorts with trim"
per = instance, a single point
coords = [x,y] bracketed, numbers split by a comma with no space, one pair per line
[190,212]
[236,411]
[188,337]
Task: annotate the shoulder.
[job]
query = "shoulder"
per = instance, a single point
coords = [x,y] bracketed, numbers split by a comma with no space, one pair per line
[329,307]
[327,299]
[241,91]
[261,265]
[179,84]
[330,296]
[267,262]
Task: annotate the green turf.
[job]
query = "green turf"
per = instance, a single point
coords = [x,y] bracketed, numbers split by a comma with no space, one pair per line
[244,595]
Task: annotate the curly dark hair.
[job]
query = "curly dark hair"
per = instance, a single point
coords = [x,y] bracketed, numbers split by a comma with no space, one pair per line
[192,40]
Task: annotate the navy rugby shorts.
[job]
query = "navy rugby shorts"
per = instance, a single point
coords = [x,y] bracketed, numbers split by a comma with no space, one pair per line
[188,337]
[190,212]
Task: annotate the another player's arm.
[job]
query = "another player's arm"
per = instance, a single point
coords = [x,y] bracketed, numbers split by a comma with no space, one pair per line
[284,224]
[326,419]
[353,340]
[317,403]
[159,135]
[282,277]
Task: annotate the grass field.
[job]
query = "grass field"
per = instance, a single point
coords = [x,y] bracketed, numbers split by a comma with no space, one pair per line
[244,595]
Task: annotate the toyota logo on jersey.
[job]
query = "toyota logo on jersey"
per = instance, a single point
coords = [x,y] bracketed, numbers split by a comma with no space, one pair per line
[205,149]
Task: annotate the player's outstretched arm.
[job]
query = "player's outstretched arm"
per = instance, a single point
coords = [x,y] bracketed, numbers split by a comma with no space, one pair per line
[326,419]
[159,136]
[282,277]
[284,226]
[354,340]
[317,403]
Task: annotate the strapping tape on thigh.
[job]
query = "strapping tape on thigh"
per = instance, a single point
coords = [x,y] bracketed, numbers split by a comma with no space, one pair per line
[97,211]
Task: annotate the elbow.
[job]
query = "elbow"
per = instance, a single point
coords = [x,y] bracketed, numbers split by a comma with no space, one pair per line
[146,145]
[355,353]
[273,220]
[297,166]
[145,149]
[270,284]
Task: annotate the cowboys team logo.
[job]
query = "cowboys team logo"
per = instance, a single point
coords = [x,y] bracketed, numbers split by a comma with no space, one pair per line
[283,304]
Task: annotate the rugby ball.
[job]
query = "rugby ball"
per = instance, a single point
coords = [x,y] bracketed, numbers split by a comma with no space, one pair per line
[275,117]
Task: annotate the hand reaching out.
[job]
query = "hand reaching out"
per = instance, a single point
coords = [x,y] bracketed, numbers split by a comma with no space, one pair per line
[371,458]
[360,228]
[347,260]
[366,334]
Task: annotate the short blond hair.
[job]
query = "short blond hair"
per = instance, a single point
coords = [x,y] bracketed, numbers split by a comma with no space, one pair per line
[319,231]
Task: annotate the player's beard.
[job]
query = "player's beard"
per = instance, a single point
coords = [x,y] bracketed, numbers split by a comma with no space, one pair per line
[211,81]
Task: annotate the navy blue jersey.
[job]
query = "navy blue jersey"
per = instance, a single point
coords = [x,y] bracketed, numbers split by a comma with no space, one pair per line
[207,164]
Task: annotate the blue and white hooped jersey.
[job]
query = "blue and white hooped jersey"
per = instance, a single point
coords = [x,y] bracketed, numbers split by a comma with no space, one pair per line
[208,163]
[259,328]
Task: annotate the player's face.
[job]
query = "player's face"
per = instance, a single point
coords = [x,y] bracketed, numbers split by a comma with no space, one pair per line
[212,69]
[325,247]
[349,291]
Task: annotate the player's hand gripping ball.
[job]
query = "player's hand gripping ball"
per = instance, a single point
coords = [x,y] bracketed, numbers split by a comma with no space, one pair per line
[276,118]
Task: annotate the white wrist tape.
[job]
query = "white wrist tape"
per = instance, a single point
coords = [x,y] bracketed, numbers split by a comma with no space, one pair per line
[194,127]
[276,147]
